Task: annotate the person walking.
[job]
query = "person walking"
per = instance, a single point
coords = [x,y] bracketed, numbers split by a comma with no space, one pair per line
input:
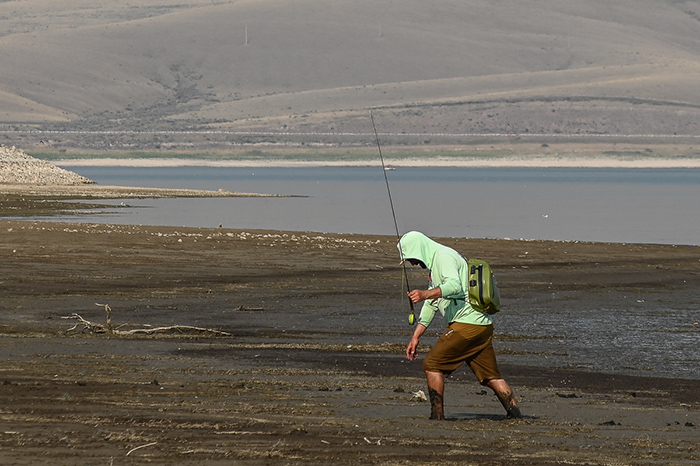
[467,338]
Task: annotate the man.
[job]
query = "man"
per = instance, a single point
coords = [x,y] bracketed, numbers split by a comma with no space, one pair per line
[468,335]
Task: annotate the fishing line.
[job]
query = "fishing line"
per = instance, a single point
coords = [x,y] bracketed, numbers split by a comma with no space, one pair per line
[411,317]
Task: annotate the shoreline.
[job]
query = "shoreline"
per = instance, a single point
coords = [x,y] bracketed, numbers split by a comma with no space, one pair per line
[96,191]
[508,162]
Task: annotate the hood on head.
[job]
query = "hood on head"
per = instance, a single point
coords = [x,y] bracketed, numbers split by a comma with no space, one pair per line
[415,245]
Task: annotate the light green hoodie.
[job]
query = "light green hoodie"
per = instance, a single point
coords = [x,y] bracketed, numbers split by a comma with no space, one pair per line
[448,270]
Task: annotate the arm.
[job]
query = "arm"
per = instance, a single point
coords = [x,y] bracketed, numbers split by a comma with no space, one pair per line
[422,295]
[413,344]
[446,274]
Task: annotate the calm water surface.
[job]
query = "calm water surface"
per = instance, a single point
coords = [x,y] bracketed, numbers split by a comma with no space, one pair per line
[607,205]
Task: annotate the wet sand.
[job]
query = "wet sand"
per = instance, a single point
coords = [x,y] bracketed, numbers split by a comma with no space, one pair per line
[304,363]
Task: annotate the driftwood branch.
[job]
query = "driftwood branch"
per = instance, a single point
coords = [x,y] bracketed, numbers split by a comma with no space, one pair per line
[108,310]
[178,328]
[140,447]
[85,325]
[243,308]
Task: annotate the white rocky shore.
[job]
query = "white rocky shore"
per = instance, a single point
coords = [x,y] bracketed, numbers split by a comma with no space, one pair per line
[16,167]
[24,175]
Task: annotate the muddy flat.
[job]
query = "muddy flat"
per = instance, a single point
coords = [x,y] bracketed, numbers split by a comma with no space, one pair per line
[267,347]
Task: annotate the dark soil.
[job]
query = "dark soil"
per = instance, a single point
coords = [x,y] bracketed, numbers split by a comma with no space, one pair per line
[313,371]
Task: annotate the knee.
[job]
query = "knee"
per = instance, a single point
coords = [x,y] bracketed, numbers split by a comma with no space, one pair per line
[494,384]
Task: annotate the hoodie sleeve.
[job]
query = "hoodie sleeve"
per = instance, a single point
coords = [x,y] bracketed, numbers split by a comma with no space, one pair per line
[445,274]
[427,312]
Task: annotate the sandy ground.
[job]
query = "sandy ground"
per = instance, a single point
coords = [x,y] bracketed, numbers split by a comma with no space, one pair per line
[17,200]
[309,368]
[567,161]
[94,191]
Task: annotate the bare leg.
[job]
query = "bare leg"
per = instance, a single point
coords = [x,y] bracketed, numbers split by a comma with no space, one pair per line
[505,396]
[436,391]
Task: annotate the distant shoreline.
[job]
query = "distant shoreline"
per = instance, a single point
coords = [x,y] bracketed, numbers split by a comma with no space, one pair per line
[509,162]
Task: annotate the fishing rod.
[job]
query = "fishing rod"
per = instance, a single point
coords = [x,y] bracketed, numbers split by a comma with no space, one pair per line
[412,315]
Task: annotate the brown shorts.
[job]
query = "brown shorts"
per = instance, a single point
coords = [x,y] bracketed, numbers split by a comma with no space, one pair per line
[464,343]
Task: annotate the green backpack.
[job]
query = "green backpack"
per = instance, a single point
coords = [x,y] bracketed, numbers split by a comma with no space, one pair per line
[483,291]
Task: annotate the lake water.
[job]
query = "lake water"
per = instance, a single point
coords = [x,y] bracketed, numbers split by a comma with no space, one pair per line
[585,204]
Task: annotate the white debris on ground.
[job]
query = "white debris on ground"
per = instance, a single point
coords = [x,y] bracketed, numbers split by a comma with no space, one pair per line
[16,167]
[419,396]
[315,241]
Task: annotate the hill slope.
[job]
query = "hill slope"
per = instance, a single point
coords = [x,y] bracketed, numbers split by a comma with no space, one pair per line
[425,66]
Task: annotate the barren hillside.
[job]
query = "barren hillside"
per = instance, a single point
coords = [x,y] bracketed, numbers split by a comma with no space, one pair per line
[433,68]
